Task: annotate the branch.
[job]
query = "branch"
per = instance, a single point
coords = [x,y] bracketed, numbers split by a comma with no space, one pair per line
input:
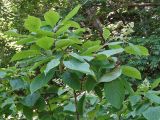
[76,105]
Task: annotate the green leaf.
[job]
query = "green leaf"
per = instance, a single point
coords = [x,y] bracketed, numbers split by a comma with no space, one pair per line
[40,81]
[109,53]
[91,49]
[81,58]
[32,23]
[81,104]
[155,83]
[106,33]
[134,99]
[115,92]
[89,43]
[152,113]
[153,98]
[73,24]
[51,17]
[131,72]
[110,76]
[25,54]
[63,43]
[70,107]
[83,67]
[72,80]
[63,29]
[25,41]
[31,99]
[136,50]
[2,74]
[17,84]
[28,112]
[90,83]
[71,14]
[52,64]
[45,42]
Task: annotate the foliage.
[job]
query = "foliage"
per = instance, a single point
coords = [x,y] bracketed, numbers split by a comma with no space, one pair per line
[60,74]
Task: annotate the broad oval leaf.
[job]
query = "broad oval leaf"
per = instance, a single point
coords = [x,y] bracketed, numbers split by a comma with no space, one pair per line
[114,93]
[72,80]
[17,84]
[25,54]
[136,50]
[110,76]
[40,81]
[83,67]
[52,64]
[32,23]
[45,42]
[31,99]
[51,17]
[152,113]
[131,72]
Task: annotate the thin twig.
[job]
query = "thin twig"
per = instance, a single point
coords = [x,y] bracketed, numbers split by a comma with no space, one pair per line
[76,105]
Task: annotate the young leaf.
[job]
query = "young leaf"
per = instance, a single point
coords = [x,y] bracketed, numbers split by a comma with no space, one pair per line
[152,113]
[63,29]
[71,14]
[32,23]
[136,50]
[25,54]
[52,64]
[110,76]
[51,17]
[40,81]
[131,72]
[106,33]
[45,42]
[114,92]
[155,83]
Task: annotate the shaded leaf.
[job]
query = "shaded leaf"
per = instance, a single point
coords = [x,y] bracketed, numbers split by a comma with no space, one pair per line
[114,92]
[152,113]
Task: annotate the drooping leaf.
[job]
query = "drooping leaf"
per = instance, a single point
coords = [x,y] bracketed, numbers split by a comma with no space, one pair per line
[40,81]
[115,92]
[32,23]
[83,67]
[81,104]
[51,17]
[106,33]
[110,76]
[152,113]
[81,58]
[109,53]
[52,64]
[136,50]
[91,49]
[73,24]
[153,98]
[71,14]
[31,99]
[17,84]
[72,80]
[45,42]
[25,54]
[131,72]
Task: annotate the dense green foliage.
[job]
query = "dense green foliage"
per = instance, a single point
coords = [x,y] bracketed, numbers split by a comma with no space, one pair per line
[67,60]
